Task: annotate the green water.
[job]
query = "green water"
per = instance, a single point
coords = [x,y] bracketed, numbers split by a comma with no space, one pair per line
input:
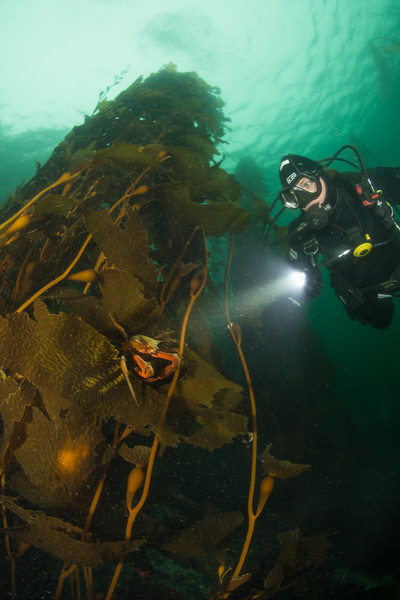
[367,360]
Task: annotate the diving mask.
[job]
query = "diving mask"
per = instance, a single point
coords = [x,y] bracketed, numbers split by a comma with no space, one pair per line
[302,190]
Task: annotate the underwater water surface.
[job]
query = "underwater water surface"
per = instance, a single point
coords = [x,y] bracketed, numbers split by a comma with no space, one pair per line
[132,480]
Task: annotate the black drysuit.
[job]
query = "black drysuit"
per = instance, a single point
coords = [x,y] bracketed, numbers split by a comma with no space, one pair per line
[365,284]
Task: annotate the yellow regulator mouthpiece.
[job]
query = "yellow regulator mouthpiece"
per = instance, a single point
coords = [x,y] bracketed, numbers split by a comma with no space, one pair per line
[364,248]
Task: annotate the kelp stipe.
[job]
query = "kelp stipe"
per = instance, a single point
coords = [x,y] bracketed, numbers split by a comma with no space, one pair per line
[271,466]
[236,578]
[196,287]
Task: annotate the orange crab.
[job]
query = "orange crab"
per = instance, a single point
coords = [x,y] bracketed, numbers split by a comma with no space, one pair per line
[151,362]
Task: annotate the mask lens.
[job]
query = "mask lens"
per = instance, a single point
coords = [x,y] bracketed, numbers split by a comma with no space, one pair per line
[305,183]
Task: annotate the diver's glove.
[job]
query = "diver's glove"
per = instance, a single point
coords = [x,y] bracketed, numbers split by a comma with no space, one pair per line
[311,287]
[313,284]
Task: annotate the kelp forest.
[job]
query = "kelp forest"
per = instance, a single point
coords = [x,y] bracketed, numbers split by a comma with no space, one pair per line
[159,438]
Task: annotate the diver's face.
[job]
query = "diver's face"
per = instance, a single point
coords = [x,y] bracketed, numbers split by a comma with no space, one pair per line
[310,185]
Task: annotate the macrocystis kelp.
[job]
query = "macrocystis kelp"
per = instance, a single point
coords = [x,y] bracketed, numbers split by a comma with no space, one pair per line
[103,256]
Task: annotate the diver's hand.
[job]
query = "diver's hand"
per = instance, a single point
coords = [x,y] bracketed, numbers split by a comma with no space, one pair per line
[313,283]
[311,287]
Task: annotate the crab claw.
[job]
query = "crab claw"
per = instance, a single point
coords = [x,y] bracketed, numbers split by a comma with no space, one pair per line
[174,362]
[144,368]
[141,347]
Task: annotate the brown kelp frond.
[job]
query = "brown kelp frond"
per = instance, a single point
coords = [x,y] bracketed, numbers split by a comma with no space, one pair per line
[56,537]
[217,218]
[69,361]
[61,354]
[204,536]
[206,409]
[138,455]
[15,409]
[66,463]
[299,553]
[125,249]
[103,256]
[282,469]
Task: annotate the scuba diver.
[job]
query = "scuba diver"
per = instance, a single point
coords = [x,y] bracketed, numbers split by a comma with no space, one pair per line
[346,225]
